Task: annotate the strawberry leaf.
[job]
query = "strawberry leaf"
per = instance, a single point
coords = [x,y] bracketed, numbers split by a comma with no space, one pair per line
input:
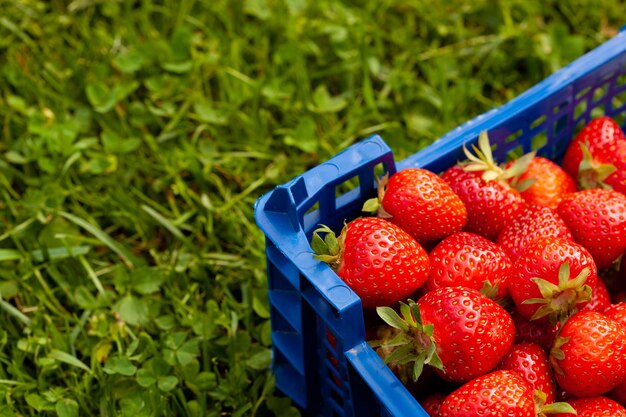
[370,206]
[524,185]
[405,310]
[401,355]
[433,358]
[318,245]
[392,318]
[557,408]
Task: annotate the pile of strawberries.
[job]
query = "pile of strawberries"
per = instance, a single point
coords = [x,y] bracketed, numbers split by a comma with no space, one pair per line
[519,278]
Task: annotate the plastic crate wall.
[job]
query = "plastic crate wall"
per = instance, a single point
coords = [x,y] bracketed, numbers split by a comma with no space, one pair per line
[321,359]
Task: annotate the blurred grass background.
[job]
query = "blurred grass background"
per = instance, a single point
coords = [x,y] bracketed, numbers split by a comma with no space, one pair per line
[136,136]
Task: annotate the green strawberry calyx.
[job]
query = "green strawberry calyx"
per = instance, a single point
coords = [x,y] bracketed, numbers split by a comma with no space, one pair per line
[330,248]
[557,354]
[542,409]
[559,302]
[414,345]
[482,160]
[591,173]
[375,205]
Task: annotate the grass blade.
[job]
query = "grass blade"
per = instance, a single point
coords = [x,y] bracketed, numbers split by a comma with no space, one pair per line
[59,253]
[69,359]
[166,223]
[14,312]
[92,275]
[120,250]
[10,255]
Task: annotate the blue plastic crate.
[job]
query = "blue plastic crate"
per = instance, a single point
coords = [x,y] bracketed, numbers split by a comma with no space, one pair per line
[321,359]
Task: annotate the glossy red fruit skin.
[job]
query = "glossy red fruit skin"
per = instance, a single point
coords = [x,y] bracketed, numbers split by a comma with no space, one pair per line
[600,133]
[617,180]
[381,262]
[617,312]
[539,332]
[432,403]
[490,205]
[497,394]
[532,223]
[543,258]
[551,183]
[423,204]
[531,362]
[606,143]
[472,333]
[600,298]
[618,394]
[597,219]
[468,260]
[594,359]
[594,407]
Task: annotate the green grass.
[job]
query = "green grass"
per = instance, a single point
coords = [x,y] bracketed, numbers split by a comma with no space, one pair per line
[136,136]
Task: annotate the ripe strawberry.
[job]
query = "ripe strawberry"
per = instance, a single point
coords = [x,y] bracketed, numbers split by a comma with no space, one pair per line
[618,179]
[539,332]
[552,278]
[379,261]
[595,407]
[531,362]
[534,222]
[597,156]
[589,354]
[421,203]
[497,394]
[457,330]
[617,312]
[432,403]
[597,219]
[482,186]
[550,183]
[469,260]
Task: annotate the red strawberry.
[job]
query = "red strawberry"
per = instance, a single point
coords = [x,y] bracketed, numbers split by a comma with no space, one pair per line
[500,393]
[595,407]
[619,393]
[597,219]
[482,186]
[379,261]
[539,332]
[618,179]
[497,394]
[469,260]
[589,354]
[597,156]
[531,362]
[534,222]
[457,330]
[552,278]
[421,203]
[617,312]
[432,403]
[550,184]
